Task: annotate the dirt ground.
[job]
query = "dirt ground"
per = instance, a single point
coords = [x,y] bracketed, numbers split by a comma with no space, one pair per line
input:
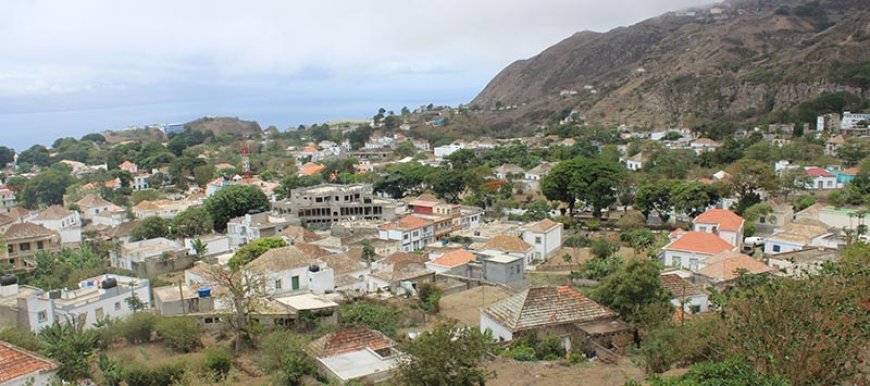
[464,306]
[581,255]
[513,373]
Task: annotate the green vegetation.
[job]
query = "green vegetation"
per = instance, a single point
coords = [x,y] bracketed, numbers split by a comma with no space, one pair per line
[254,249]
[234,201]
[446,355]
[373,315]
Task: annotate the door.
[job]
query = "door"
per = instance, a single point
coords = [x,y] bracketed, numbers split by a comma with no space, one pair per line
[294,283]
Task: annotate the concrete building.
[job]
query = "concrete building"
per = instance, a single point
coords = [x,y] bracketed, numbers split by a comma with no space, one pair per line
[501,267]
[821,179]
[545,237]
[322,206]
[250,227]
[508,245]
[99,211]
[637,161]
[150,257]
[94,299]
[7,199]
[166,209]
[832,217]
[20,242]
[854,120]
[413,231]
[800,234]
[25,368]
[723,269]
[65,222]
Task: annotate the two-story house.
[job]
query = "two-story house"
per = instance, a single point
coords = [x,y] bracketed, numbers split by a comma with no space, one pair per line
[723,223]
[66,222]
[690,249]
[413,231]
[250,227]
[545,237]
[288,270]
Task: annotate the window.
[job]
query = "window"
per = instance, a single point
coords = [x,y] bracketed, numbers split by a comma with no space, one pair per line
[702,229]
[537,239]
[278,284]
[776,248]
[41,316]
[117,306]
[24,246]
[693,264]
[678,261]
[98,313]
[695,309]
[40,245]
[9,248]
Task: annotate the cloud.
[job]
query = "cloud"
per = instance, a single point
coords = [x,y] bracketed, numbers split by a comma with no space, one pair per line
[87,46]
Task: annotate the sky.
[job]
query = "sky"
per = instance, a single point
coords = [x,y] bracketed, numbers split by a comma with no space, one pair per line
[68,68]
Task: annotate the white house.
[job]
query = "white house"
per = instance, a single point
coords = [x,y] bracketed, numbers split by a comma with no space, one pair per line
[800,234]
[446,150]
[288,270]
[545,237]
[138,256]
[99,211]
[413,231]
[821,178]
[250,227]
[692,298]
[723,223]
[450,260]
[357,354]
[838,218]
[66,222]
[7,199]
[690,249]
[509,245]
[214,244]
[637,161]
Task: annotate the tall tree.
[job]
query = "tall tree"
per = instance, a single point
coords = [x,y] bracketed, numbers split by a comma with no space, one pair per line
[192,222]
[595,182]
[692,198]
[47,188]
[636,293]
[244,290]
[655,197]
[7,155]
[448,184]
[446,355]
[556,185]
[150,228]
[748,178]
[234,201]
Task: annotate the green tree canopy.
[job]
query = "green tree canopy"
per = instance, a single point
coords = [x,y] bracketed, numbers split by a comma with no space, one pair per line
[636,293]
[47,188]
[234,201]
[446,355]
[150,228]
[192,222]
[254,249]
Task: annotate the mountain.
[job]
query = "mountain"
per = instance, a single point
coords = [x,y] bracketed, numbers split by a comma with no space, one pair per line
[224,125]
[743,60]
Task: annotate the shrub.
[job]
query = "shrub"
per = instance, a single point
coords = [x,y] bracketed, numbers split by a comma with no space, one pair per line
[180,333]
[430,296]
[218,361]
[278,345]
[20,337]
[137,328]
[370,314]
[137,374]
[804,202]
[523,354]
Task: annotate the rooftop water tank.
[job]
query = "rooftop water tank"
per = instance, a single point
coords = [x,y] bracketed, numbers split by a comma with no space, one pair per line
[109,283]
[8,279]
[204,292]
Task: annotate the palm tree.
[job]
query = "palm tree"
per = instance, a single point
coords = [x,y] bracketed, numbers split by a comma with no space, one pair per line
[199,247]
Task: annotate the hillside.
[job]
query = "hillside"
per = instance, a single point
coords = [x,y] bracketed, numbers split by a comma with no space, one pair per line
[224,125]
[753,60]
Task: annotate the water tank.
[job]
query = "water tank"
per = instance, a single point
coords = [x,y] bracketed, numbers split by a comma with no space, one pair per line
[110,283]
[314,268]
[204,292]
[8,279]
[444,242]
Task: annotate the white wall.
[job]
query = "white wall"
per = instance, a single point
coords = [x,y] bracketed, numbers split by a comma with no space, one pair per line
[499,332]
[685,259]
[550,242]
[698,300]
[784,246]
[33,379]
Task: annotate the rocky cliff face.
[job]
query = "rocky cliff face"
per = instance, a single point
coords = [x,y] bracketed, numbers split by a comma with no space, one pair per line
[222,125]
[741,60]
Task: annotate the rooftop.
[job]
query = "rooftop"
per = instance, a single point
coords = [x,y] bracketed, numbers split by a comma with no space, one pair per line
[543,226]
[54,212]
[546,306]
[306,302]
[727,220]
[26,231]
[727,265]
[280,259]
[802,230]
[680,287]
[454,258]
[16,362]
[354,339]
[507,243]
[699,242]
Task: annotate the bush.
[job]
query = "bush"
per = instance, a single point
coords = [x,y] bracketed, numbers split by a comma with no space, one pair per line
[278,345]
[430,296]
[138,327]
[370,314]
[180,333]
[218,361]
[523,354]
[20,337]
[804,202]
[137,374]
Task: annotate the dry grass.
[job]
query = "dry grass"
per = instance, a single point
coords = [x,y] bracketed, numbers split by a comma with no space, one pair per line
[513,373]
[464,306]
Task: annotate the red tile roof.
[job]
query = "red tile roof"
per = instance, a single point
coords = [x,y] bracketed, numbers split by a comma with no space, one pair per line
[814,171]
[727,220]
[355,339]
[311,169]
[725,266]
[454,258]
[16,362]
[507,243]
[412,222]
[700,242]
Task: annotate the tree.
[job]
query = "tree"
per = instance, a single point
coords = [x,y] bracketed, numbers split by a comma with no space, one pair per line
[7,155]
[462,159]
[243,289]
[406,149]
[792,180]
[602,249]
[234,201]
[254,249]
[375,316]
[46,189]
[803,202]
[655,197]
[736,371]
[692,198]
[150,228]
[199,247]
[753,214]
[202,175]
[636,293]
[448,184]
[446,355]
[747,179]
[36,155]
[368,251]
[283,352]
[671,164]
[537,210]
[853,150]
[556,184]
[181,334]
[192,222]
[596,182]
[640,240]
[71,345]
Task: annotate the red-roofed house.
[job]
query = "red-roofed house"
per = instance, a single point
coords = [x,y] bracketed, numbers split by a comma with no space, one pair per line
[129,167]
[821,178]
[20,367]
[358,354]
[723,223]
[310,169]
[450,260]
[413,231]
[691,249]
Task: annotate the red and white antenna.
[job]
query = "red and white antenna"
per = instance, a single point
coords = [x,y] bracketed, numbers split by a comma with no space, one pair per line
[246,162]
